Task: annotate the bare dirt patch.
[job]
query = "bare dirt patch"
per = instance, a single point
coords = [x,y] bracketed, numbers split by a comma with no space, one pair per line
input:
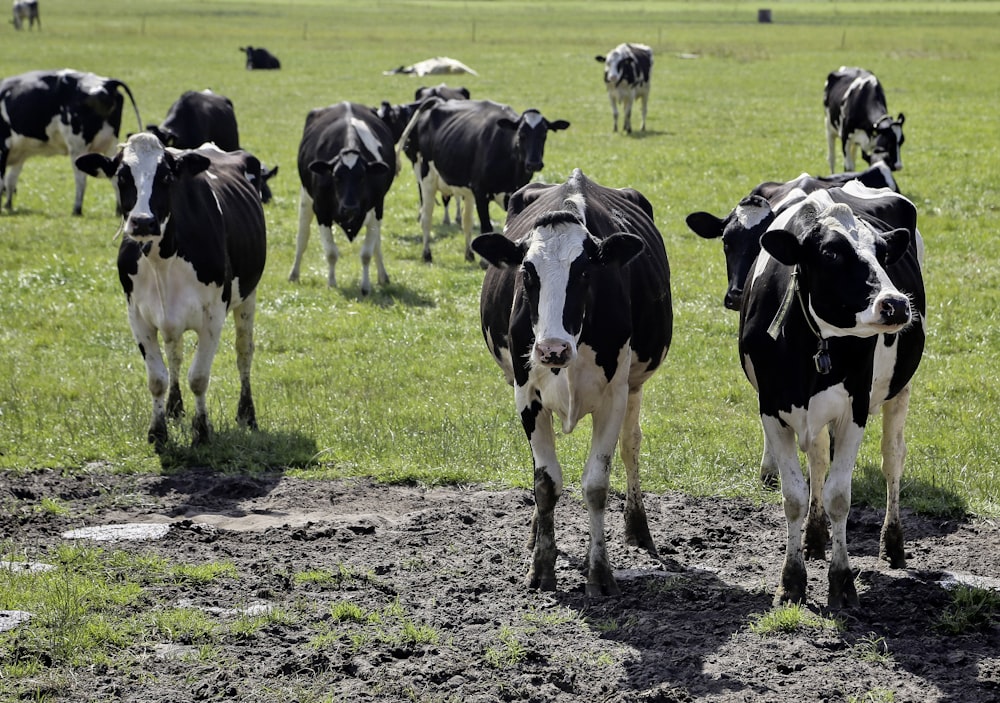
[442,613]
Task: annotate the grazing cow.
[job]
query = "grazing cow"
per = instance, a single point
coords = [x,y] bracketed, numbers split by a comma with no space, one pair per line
[440,65]
[627,72]
[740,230]
[478,150]
[855,111]
[832,330]
[346,164]
[576,311]
[259,58]
[43,113]
[198,117]
[193,249]
[26,11]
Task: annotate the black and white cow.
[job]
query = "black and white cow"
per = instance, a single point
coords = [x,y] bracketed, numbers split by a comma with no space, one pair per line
[259,58]
[478,150]
[740,230]
[193,250]
[437,66]
[576,311]
[26,11]
[346,165]
[43,113]
[832,330]
[628,69]
[855,111]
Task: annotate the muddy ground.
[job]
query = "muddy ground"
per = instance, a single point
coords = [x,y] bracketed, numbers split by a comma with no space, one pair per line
[438,610]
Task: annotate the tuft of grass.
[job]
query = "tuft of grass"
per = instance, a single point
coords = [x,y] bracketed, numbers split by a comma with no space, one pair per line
[872,648]
[202,573]
[184,626]
[970,609]
[791,617]
[875,695]
[508,652]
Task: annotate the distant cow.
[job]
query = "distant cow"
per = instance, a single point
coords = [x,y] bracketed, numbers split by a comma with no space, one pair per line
[440,65]
[740,230]
[259,58]
[478,150]
[627,73]
[576,311]
[26,11]
[855,109]
[193,249]
[43,113]
[832,330]
[346,165]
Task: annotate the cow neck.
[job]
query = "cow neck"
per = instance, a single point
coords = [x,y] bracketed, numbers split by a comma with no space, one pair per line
[822,356]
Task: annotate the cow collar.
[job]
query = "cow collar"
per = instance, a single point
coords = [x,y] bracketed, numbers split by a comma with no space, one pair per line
[822,356]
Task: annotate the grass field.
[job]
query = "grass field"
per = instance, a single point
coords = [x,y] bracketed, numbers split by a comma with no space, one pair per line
[400,385]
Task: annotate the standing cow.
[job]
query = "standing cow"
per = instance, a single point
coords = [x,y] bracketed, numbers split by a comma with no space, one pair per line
[259,58]
[26,11]
[832,330]
[478,150]
[855,111]
[576,311]
[193,249]
[43,113]
[628,69]
[346,164]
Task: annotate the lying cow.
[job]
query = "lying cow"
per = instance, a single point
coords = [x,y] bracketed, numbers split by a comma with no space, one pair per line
[832,330]
[26,11]
[193,250]
[628,69]
[855,111]
[346,165]
[576,311]
[259,58]
[478,150]
[43,113]
[439,65]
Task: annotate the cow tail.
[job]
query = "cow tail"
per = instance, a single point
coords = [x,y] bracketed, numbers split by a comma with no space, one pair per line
[428,102]
[117,83]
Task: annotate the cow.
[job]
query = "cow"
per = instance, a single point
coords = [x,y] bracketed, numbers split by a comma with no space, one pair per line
[259,58]
[627,72]
[478,150]
[439,65]
[740,230]
[26,11]
[855,111]
[193,250]
[576,311]
[346,165]
[43,113]
[832,330]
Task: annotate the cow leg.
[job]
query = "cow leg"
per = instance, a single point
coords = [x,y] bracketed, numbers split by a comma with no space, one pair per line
[446,218]
[795,497]
[428,189]
[175,355]
[636,524]
[850,152]
[200,372]
[485,224]
[768,467]
[332,255]
[157,378]
[305,221]
[372,246]
[614,107]
[893,454]
[837,501]
[548,487]
[831,144]
[243,317]
[10,183]
[645,99]
[81,186]
[627,122]
[818,455]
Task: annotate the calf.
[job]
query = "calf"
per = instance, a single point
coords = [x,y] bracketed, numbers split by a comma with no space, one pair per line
[43,113]
[832,330]
[193,249]
[855,111]
[478,150]
[259,58]
[627,72]
[346,165]
[576,311]
[26,11]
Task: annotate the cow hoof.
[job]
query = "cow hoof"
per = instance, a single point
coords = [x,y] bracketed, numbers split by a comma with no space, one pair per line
[793,584]
[200,431]
[547,583]
[603,590]
[843,594]
[157,436]
[77,212]
[428,258]
[293,277]
[469,256]
[891,546]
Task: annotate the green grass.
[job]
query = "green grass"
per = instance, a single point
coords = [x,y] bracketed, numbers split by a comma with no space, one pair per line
[789,618]
[400,386]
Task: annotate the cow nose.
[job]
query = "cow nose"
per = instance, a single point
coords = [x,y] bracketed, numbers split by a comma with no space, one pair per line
[142,226]
[733,299]
[553,352]
[534,166]
[894,311]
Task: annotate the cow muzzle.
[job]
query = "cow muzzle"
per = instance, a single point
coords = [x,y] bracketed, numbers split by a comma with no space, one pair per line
[142,226]
[554,353]
[893,310]
[534,166]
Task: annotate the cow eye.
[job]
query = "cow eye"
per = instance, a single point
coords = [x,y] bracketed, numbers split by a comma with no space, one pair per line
[530,278]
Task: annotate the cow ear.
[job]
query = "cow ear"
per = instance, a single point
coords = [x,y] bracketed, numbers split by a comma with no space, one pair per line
[507,123]
[498,250]
[96,165]
[782,245]
[191,163]
[705,224]
[557,125]
[320,166]
[901,119]
[602,59]
[896,243]
[619,248]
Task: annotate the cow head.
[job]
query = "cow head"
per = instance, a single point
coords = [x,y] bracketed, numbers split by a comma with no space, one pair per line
[166,137]
[142,174]
[740,232]
[350,173]
[842,262]
[887,137]
[266,174]
[530,130]
[619,65]
[556,261]
[396,117]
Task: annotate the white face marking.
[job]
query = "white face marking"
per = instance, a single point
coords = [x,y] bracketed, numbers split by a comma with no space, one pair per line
[371,144]
[350,159]
[751,216]
[551,251]
[142,153]
[533,119]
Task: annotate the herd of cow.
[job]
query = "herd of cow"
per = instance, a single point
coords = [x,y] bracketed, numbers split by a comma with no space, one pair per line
[576,302]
